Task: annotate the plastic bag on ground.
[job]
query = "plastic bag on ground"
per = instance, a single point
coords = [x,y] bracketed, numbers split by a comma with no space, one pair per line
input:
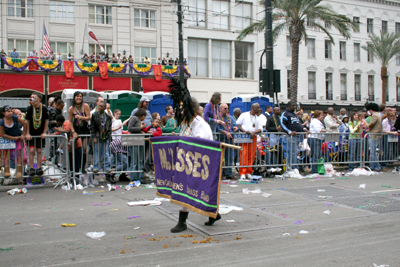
[246,191]
[327,212]
[320,166]
[95,235]
[303,232]
[361,171]
[225,209]
[52,171]
[361,186]
[329,169]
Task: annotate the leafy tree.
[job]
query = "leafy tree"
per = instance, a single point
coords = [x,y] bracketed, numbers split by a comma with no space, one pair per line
[384,48]
[293,16]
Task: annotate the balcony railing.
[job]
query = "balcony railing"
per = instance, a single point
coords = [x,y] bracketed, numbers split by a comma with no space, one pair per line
[312,96]
[329,96]
[343,96]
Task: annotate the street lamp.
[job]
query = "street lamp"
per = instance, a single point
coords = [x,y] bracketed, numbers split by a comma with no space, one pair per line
[180,30]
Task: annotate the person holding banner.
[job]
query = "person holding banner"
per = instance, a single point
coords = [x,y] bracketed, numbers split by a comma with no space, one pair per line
[9,129]
[249,123]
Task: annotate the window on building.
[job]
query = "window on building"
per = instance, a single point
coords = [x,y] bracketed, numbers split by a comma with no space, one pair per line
[371,88]
[289,76]
[398,89]
[398,59]
[64,48]
[357,52]
[311,48]
[288,46]
[312,93]
[141,52]
[328,25]
[23,47]
[397,27]
[357,21]
[198,57]
[328,49]
[343,86]
[243,60]
[145,18]
[61,11]
[197,13]
[342,46]
[310,22]
[94,48]
[328,86]
[357,87]
[243,15]
[220,15]
[221,59]
[370,26]
[384,26]
[20,8]
[370,55]
[100,14]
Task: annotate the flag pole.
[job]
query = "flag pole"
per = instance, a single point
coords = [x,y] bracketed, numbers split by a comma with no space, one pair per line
[83,42]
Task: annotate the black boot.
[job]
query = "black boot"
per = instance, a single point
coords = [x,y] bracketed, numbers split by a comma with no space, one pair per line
[83,167]
[181,226]
[110,178]
[211,220]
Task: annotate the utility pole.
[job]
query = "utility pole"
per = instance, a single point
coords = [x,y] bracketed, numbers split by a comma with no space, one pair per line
[180,32]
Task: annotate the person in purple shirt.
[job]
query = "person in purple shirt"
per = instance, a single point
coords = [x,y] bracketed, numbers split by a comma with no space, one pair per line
[212,112]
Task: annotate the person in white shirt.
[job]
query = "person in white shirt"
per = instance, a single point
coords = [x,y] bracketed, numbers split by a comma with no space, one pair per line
[332,126]
[262,118]
[315,139]
[249,123]
[59,57]
[116,126]
[33,53]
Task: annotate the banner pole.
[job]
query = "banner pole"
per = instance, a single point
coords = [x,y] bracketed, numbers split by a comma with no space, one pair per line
[224,144]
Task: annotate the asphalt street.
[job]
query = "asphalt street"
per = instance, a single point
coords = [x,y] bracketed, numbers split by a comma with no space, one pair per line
[361,229]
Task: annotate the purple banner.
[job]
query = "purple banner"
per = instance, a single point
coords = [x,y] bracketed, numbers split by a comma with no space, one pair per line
[188,171]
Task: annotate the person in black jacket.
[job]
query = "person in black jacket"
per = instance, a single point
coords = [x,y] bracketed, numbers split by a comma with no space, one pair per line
[100,131]
[291,125]
[274,126]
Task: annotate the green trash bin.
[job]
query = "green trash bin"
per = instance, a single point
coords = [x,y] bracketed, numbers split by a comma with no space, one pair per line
[126,101]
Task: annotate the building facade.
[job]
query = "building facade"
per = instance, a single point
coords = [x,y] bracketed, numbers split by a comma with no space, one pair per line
[328,73]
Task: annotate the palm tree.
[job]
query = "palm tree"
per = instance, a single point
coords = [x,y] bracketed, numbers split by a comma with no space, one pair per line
[294,15]
[384,48]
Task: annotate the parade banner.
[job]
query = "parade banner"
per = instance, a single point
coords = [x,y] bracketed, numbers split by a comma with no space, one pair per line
[58,83]
[188,171]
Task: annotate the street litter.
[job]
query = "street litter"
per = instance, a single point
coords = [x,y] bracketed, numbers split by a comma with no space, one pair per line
[321,190]
[303,232]
[382,265]
[327,212]
[6,249]
[17,191]
[361,171]
[230,220]
[136,228]
[161,199]
[102,204]
[225,209]
[133,217]
[79,187]
[296,174]
[384,185]
[86,193]
[324,197]
[328,204]
[286,234]
[150,186]
[144,203]
[233,185]
[266,195]
[68,224]
[35,224]
[255,191]
[297,222]
[361,186]
[113,210]
[95,235]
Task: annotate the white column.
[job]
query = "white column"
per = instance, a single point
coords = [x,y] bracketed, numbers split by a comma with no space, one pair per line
[233,59]
[209,58]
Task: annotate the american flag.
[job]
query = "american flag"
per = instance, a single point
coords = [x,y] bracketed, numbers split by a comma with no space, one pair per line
[46,43]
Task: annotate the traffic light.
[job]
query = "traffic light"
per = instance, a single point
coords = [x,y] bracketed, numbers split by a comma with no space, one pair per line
[270,81]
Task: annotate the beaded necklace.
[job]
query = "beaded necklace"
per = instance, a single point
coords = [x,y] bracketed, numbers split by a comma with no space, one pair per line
[215,110]
[228,122]
[186,129]
[80,121]
[276,121]
[37,117]
[103,119]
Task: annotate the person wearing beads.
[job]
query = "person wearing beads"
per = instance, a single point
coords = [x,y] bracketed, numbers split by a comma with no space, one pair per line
[10,129]
[226,137]
[78,116]
[37,118]
[212,110]
[100,130]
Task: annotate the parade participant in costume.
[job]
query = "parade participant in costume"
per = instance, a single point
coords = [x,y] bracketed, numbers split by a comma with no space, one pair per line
[9,129]
[37,118]
[78,116]
[212,112]
[188,115]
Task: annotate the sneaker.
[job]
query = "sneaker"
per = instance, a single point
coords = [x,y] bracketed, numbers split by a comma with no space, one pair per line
[32,172]
[79,187]
[242,177]
[248,176]
[110,179]
[95,171]
[39,171]
[90,169]
[59,165]
[60,151]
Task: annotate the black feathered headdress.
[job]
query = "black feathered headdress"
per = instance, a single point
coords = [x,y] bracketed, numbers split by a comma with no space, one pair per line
[182,101]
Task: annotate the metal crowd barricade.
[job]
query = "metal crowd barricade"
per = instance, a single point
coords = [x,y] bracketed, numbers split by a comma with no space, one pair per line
[381,149]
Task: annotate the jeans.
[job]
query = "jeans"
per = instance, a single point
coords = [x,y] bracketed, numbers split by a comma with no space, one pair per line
[316,152]
[122,162]
[130,69]
[101,152]
[137,158]
[385,150]
[355,152]
[292,150]
[373,144]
